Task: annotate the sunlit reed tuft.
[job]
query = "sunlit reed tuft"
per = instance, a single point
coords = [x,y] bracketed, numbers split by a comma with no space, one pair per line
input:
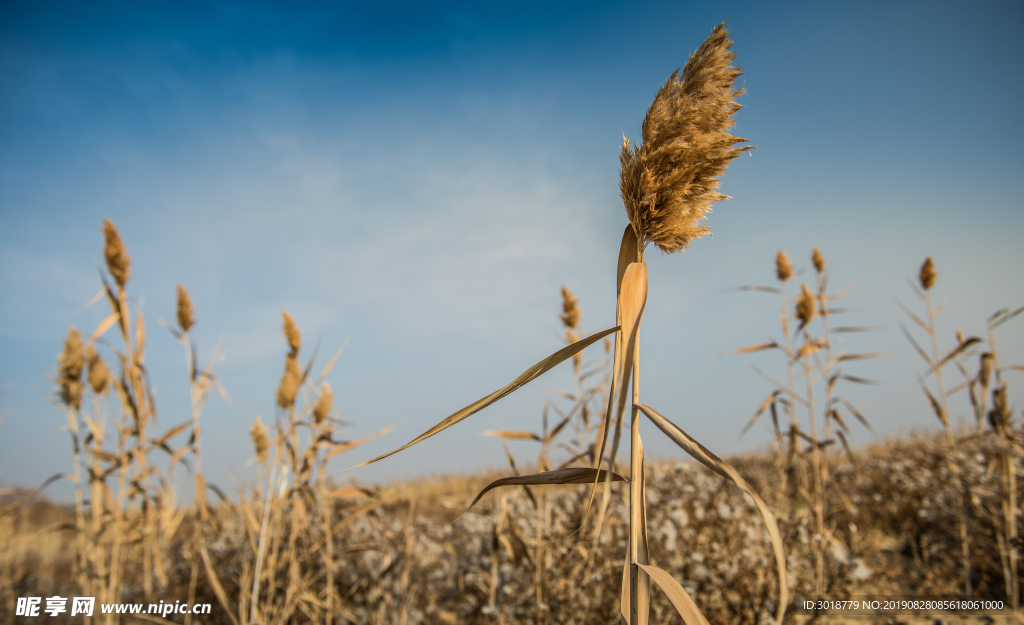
[70,365]
[805,305]
[783,267]
[818,259]
[290,381]
[98,374]
[260,441]
[324,403]
[670,180]
[185,312]
[118,261]
[291,332]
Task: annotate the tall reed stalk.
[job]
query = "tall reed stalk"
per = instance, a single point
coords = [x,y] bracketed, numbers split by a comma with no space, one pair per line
[668,183]
[936,361]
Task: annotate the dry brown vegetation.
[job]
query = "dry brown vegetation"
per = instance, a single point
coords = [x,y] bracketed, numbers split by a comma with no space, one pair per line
[561,540]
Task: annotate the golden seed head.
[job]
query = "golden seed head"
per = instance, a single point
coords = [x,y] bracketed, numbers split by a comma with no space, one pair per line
[290,381]
[928,274]
[805,305]
[185,312]
[818,259]
[98,374]
[783,268]
[118,261]
[291,332]
[258,435]
[985,370]
[324,403]
[70,363]
[570,309]
[670,180]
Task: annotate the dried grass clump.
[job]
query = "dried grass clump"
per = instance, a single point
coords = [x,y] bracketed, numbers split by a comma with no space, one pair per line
[670,180]
[185,312]
[118,261]
[70,364]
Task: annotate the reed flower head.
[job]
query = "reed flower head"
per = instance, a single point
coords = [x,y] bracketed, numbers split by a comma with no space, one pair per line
[570,309]
[783,268]
[324,403]
[288,389]
[118,261]
[928,275]
[805,305]
[291,333]
[670,180]
[818,259]
[260,441]
[185,312]
[70,363]
[98,374]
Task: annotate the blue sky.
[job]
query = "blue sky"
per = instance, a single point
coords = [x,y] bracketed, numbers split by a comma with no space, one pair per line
[417,180]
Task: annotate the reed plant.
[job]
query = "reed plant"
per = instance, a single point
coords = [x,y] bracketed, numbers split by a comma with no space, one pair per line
[668,183]
[937,361]
[813,356]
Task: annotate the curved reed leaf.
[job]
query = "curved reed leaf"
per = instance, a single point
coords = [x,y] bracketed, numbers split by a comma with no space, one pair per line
[681,599]
[721,467]
[570,475]
[527,376]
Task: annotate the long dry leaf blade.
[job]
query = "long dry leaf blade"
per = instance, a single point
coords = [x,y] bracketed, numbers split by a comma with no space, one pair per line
[572,475]
[512,435]
[103,327]
[218,590]
[764,406]
[957,350]
[915,318]
[681,599]
[719,466]
[527,376]
[342,448]
[753,348]
[1007,317]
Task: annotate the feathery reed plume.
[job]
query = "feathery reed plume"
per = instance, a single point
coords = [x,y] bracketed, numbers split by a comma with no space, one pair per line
[290,381]
[670,180]
[928,275]
[98,374]
[118,261]
[570,309]
[818,259]
[260,441]
[804,305]
[291,332]
[185,312]
[70,365]
[783,267]
[324,403]
[571,320]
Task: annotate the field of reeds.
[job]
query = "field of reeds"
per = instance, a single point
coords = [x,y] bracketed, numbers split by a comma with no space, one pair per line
[577,533]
